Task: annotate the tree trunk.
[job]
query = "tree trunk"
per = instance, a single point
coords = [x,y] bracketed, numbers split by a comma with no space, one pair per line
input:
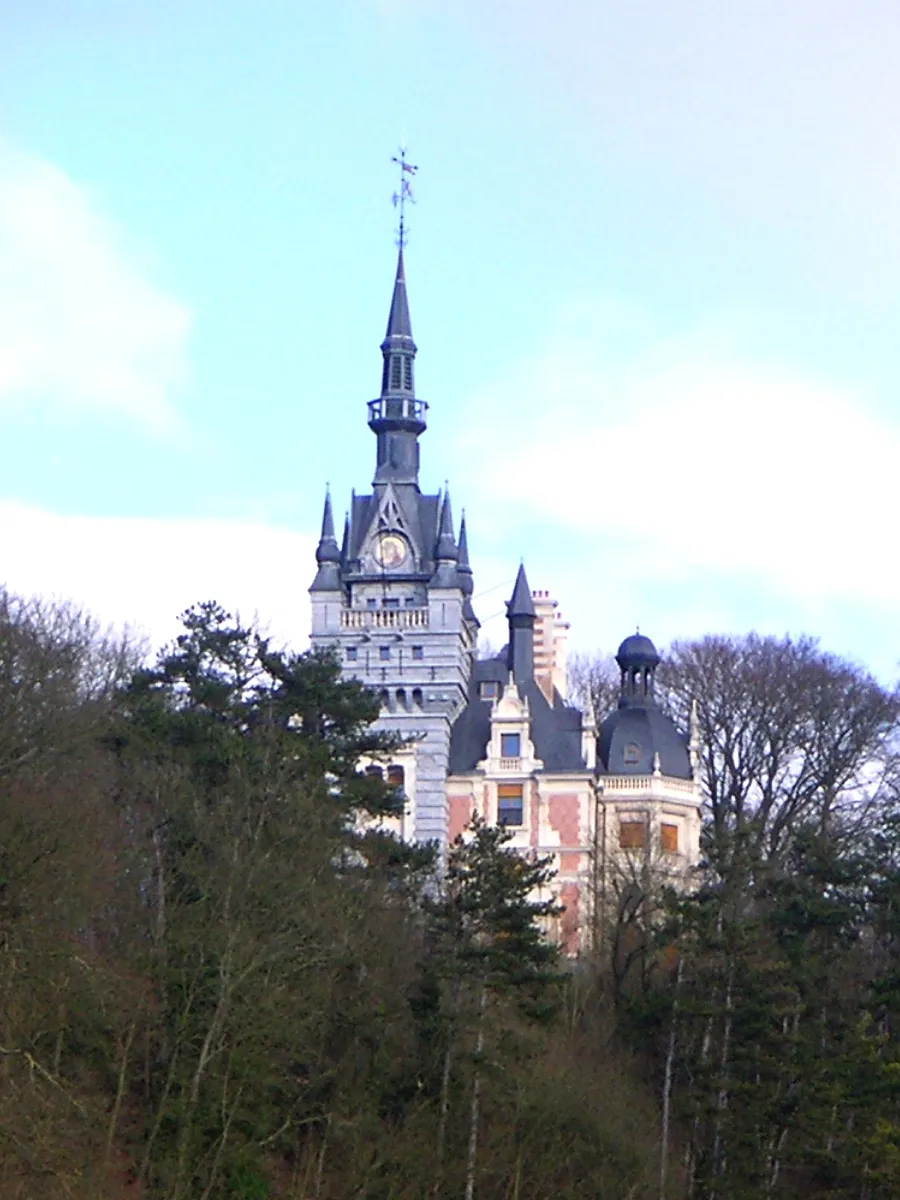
[667,1089]
[718,1157]
[476,1096]
[442,1121]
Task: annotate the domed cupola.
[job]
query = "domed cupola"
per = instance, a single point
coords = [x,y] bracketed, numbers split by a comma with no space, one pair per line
[638,738]
[638,659]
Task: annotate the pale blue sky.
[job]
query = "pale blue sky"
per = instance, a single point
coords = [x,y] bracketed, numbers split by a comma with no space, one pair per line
[653,276]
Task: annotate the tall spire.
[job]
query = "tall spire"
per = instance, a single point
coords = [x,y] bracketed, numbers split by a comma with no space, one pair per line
[397,418]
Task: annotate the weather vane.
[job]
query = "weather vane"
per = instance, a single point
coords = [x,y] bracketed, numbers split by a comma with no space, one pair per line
[404,192]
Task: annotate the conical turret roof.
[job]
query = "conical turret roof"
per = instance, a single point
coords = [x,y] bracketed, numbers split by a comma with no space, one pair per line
[521,603]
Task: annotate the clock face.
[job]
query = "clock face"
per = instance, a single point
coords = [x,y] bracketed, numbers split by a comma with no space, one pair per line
[390,550]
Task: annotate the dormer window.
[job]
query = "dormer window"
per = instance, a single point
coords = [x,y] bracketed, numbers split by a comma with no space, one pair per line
[489,690]
[632,755]
[510,745]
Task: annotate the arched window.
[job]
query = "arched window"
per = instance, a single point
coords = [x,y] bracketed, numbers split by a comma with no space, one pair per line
[396,776]
[401,698]
[417,697]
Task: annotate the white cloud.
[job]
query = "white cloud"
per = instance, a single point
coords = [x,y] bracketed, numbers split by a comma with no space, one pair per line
[144,572]
[692,489]
[82,329]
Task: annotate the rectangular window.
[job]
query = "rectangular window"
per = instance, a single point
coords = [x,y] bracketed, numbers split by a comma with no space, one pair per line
[632,835]
[384,653]
[352,654]
[410,602]
[371,602]
[509,804]
[668,838]
[391,602]
[510,745]
[418,653]
[490,689]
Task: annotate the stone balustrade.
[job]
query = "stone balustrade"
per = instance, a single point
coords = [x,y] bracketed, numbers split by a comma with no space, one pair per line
[384,618]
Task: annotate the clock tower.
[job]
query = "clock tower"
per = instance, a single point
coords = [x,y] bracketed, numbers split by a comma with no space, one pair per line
[394,598]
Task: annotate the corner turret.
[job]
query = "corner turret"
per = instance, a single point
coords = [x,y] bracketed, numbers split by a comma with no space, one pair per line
[328,556]
[520,613]
[464,570]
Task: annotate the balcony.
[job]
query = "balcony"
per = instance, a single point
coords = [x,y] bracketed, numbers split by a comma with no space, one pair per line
[384,618]
[403,411]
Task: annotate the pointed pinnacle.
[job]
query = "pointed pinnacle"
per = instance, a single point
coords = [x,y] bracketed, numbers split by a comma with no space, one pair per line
[463,545]
[446,546]
[327,550]
[327,517]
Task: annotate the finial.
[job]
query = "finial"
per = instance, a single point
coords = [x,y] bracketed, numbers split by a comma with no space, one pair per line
[404,192]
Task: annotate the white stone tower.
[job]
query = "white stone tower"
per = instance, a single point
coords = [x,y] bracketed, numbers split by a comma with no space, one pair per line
[395,597]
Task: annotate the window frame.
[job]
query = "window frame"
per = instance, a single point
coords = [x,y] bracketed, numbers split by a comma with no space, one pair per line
[511,739]
[515,793]
[628,839]
[668,837]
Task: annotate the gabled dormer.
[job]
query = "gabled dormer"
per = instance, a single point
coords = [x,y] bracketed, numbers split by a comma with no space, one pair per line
[510,749]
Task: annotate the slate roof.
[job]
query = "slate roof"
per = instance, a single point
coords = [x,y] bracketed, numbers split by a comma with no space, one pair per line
[649,729]
[555,729]
[631,737]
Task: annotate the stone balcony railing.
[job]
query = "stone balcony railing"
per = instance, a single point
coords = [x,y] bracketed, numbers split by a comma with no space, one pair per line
[646,783]
[384,618]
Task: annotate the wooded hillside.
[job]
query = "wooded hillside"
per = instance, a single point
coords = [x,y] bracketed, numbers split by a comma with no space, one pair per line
[219,979]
